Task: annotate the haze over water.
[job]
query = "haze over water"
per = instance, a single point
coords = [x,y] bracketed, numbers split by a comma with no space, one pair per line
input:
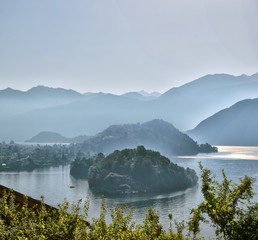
[54,184]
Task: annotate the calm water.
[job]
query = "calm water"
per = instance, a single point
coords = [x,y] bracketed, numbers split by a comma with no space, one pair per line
[53,184]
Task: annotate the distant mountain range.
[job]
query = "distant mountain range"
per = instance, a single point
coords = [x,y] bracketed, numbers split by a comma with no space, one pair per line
[236,125]
[24,114]
[140,96]
[156,135]
[188,105]
[52,137]
[15,102]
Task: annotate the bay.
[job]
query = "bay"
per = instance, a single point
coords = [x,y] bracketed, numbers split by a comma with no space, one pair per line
[55,185]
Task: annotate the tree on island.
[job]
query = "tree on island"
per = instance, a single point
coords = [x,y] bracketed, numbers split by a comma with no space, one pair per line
[133,170]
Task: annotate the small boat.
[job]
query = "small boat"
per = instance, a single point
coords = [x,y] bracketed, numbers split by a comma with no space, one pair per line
[71,186]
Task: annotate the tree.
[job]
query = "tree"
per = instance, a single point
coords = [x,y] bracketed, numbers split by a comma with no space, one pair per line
[228,207]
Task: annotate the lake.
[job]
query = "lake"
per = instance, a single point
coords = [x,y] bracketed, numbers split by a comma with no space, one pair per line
[54,184]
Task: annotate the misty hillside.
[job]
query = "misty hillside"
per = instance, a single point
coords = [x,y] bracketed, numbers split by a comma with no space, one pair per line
[85,116]
[142,95]
[13,102]
[237,125]
[156,135]
[136,95]
[52,137]
[48,137]
[146,94]
[193,102]
[25,114]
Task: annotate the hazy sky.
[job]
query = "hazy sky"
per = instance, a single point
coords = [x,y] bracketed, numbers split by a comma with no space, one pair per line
[118,46]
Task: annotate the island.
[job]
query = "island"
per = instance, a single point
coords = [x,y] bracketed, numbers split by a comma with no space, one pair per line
[133,171]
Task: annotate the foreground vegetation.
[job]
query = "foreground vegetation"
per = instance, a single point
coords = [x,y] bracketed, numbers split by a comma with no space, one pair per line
[227,207]
[133,171]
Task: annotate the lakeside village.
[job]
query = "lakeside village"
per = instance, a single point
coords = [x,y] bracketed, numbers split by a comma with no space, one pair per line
[17,157]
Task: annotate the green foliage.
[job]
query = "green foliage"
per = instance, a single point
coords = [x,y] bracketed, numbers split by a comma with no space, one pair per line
[22,222]
[207,148]
[228,207]
[80,166]
[28,157]
[137,170]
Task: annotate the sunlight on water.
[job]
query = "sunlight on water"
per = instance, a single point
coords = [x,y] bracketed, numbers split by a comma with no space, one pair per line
[230,152]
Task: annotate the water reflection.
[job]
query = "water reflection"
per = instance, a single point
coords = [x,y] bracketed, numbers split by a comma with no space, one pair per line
[54,184]
[230,152]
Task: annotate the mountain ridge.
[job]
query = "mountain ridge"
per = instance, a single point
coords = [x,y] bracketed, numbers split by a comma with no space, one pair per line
[184,106]
[157,135]
[236,125]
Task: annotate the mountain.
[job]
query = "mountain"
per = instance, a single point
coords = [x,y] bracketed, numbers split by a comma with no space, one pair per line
[15,102]
[142,95]
[90,95]
[42,91]
[156,135]
[38,93]
[84,116]
[139,96]
[52,137]
[146,94]
[70,113]
[48,137]
[188,105]
[236,125]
